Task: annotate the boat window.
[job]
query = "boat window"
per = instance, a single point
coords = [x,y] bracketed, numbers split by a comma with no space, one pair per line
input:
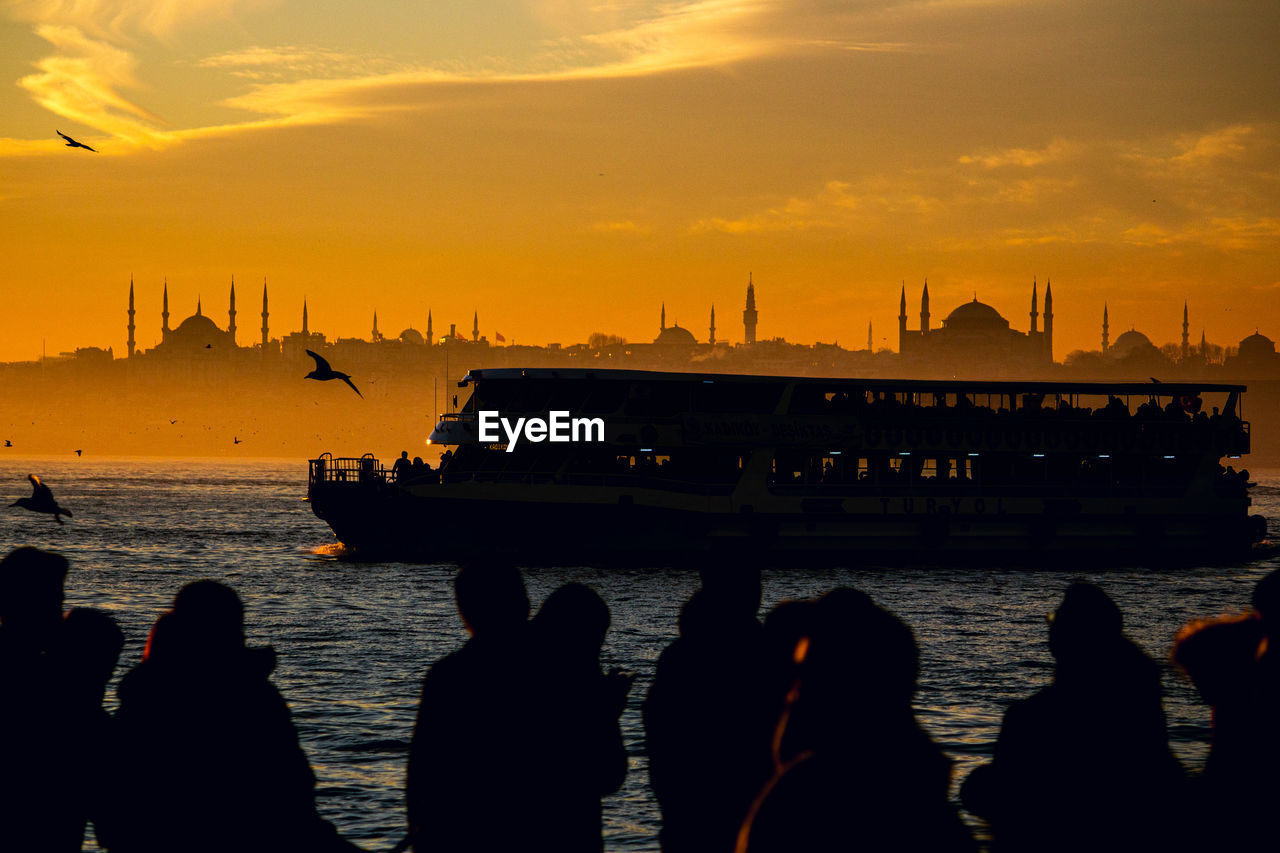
[736,397]
[604,398]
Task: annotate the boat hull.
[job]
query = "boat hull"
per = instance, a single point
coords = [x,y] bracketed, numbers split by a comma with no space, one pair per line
[455,522]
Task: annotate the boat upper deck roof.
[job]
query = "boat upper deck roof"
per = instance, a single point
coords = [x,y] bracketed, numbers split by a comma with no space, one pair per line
[1118,389]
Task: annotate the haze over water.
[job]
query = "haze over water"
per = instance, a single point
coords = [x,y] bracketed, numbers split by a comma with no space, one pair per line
[355,639]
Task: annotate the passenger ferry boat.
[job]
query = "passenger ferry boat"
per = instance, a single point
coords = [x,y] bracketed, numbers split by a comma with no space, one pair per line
[804,470]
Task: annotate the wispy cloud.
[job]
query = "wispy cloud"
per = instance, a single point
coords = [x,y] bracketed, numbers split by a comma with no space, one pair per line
[82,82]
[625,226]
[1055,152]
[125,19]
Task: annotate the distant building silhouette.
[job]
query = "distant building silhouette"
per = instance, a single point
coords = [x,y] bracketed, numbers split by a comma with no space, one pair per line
[975,334]
[749,315]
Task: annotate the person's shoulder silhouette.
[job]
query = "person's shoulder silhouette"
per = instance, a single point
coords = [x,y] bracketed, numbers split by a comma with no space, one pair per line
[708,717]
[207,741]
[467,759]
[1088,753]
[577,739]
[855,770]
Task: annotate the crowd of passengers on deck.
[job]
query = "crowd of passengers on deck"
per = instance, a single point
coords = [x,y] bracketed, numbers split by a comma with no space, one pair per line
[795,734]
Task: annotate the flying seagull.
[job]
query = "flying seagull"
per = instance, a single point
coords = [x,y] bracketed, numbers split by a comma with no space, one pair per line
[324,372]
[41,500]
[236,439]
[71,143]
[8,443]
[79,452]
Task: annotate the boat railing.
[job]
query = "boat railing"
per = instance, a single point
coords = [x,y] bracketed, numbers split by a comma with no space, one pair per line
[330,469]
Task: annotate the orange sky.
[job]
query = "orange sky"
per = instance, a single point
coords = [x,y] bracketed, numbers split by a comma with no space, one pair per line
[565,167]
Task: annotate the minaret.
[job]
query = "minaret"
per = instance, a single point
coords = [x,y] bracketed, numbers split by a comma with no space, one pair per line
[712,339]
[662,323]
[430,336]
[376,337]
[265,338]
[231,313]
[902,319]
[870,340]
[1204,345]
[305,333]
[1106,341]
[131,313]
[1035,315]
[164,310]
[749,314]
[198,305]
[1186,337]
[924,309]
[475,327]
[1048,319]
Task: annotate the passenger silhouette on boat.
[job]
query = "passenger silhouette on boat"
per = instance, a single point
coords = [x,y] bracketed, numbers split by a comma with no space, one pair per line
[207,755]
[1084,764]
[707,715]
[1235,666]
[578,742]
[855,771]
[470,784]
[402,468]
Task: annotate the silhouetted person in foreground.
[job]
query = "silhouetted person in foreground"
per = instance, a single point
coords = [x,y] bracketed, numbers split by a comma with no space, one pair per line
[1234,664]
[574,729]
[1084,764]
[854,770]
[205,745]
[85,656]
[470,782]
[31,595]
[707,715]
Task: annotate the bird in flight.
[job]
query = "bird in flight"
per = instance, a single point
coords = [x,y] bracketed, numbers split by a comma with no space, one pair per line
[324,372]
[8,443]
[71,143]
[236,439]
[79,453]
[41,500]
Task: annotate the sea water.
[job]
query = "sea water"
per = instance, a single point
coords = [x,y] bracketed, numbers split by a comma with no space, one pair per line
[355,639]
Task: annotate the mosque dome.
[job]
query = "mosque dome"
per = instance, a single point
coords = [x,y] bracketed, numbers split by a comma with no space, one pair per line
[1256,347]
[196,332]
[1131,341]
[975,316]
[675,336]
[412,336]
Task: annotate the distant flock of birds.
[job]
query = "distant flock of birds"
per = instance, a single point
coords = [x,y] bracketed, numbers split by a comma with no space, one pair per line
[42,499]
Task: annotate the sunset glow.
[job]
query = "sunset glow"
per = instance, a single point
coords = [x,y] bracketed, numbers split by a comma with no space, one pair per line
[565,168]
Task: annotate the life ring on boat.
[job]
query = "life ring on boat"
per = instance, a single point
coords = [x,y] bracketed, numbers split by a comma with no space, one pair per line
[873,436]
[893,436]
[954,437]
[1013,439]
[1052,439]
[914,434]
[934,436]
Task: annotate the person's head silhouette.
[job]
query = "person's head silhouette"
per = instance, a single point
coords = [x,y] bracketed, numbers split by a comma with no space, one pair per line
[491,598]
[31,594]
[1085,622]
[574,619]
